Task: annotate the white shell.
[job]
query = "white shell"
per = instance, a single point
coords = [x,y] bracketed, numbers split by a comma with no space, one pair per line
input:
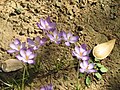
[101,51]
[11,65]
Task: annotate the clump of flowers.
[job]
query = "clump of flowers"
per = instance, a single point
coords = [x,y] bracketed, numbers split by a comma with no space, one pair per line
[26,56]
[46,25]
[26,52]
[16,46]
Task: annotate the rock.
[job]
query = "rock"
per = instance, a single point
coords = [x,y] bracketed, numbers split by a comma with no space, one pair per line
[11,65]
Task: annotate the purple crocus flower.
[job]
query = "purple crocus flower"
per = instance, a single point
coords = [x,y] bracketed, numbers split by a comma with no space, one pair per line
[81,52]
[87,67]
[55,37]
[36,43]
[26,56]
[48,87]
[46,25]
[69,38]
[16,46]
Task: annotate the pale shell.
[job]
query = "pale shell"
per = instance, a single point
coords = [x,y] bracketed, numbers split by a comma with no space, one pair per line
[101,51]
[11,65]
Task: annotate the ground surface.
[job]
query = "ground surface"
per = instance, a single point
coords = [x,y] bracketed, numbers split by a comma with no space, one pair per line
[95,21]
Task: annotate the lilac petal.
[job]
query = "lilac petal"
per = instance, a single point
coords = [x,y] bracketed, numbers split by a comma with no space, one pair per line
[84,65]
[23,53]
[51,37]
[28,52]
[13,46]
[86,52]
[69,35]
[30,41]
[37,39]
[91,66]
[92,70]
[77,49]
[84,46]
[40,26]
[48,19]
[23,45]
[17,41]
[43,88]
[19,57]
[55,33]
[82,70]
[64,35]
[85,58]
[52,26]
[67,43]
[42,41]
[24,60]
[31,56]
[73,39]
[42,23]
[76,54]
[82,50]
[11,51]
[30,61]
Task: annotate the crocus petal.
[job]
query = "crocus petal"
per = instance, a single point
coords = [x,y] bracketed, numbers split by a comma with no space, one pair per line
[42,22]
[69,35]
[28,52]
[85,58]
[13,46]
[73,39]
[64,36]
[82,70]
[40,26]
[19,57]
[51,37]
[84,46]
[91,66]
[52,26]
[48,19]
[23,53]
[84,64]
[92,70]
[17,41]
[77,49]
[67,43]
[11,51]
[30,61]
[31,56]
[23,45]
[37,39]
[30,41]
[24,60]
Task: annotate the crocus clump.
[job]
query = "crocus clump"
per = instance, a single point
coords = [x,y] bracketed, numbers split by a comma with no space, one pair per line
[81,52]
[46,25]
[26,56]
[69,38]
[48,87]
[87,67]
[16,46]
[55,37]
[36,43]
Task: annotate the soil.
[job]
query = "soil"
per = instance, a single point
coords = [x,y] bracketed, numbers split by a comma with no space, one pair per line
[95,21]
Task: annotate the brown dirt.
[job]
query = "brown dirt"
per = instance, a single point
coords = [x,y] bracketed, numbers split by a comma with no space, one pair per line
[95,21]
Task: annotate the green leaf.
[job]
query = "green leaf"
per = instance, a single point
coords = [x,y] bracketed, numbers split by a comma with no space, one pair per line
[88,81]
[99,65]
[81,74]
[103,69]
[98,75]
